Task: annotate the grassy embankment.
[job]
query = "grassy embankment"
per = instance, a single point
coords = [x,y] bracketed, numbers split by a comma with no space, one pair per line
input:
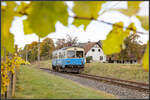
[33,83]
[133,72]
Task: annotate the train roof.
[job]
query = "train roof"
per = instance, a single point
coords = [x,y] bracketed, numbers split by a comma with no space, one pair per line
[67,48]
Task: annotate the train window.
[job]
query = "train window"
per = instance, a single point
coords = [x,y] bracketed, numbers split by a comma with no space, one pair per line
[59,55]
[71,54]
[79,54]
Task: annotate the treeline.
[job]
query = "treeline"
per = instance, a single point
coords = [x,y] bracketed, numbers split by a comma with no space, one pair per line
[133,51]
[30,51]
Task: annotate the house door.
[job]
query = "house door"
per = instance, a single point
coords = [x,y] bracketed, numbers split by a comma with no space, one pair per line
[101,57]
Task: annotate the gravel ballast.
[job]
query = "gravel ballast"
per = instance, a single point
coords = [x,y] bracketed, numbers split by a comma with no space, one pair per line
[119,92]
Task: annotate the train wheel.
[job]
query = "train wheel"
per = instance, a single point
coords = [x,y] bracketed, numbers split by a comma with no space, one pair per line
[53,68]
[56,69]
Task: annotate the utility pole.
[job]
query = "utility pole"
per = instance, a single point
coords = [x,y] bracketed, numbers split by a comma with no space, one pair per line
[26,54]
[39,52]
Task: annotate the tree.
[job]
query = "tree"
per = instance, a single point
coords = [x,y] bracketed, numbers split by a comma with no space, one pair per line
[46,48]
[33,51]
[133,48]
[66,42]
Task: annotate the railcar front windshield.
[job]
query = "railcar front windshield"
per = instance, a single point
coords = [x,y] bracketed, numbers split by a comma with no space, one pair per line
[71,54]
[79,54]
[75,54]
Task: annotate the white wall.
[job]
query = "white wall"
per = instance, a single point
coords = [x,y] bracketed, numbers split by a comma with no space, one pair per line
[96,54]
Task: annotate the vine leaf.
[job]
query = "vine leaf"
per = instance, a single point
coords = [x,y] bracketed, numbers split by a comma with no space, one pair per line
[27,30]
[144,21]
[78,22]
[44,16]
[7,18]
[23,9]
[133,8]
[114,41]
[88,9]
[145,60]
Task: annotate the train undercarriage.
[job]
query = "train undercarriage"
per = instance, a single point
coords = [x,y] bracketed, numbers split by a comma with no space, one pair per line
[69,68]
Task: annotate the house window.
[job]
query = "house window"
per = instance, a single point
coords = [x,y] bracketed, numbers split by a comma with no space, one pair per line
[101,57]
[99,50]
[93,50]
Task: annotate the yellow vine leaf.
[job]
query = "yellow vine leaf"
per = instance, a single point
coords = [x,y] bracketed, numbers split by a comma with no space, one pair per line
[8,66]
[7,39]
[144,21]
[3,7]
[78,22]
[27,30]
[145,60]
[87,9]
[133,8]
[114,41]
[23,8]
[43,17]
[8,43]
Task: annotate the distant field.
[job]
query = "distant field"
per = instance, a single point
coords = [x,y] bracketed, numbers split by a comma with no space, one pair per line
[43,64]
[33,83]
[133,72]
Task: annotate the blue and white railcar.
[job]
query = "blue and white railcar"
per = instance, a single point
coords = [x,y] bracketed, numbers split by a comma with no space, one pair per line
[69,59]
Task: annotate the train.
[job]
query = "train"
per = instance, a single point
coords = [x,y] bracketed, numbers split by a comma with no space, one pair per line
[68,59]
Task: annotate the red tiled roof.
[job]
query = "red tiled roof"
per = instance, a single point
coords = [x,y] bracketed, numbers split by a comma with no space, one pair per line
[87,46]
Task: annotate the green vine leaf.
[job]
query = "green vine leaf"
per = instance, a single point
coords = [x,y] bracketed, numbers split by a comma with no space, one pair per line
[133,8]
[43,17]
[88,9]
[114,41]
[7,18]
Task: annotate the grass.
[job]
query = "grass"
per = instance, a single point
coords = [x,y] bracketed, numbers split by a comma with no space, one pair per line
[43,64]
[134,72]
[33,83]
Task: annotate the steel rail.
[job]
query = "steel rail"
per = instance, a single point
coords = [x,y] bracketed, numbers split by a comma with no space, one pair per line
[138,83]
[123,83]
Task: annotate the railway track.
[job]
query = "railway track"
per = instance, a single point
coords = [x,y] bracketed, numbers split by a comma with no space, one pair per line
[123,83]
[119,82]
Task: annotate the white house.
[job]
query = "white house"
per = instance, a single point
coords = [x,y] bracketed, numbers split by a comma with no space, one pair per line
[94,50]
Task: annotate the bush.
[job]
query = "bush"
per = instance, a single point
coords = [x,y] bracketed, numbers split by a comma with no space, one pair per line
[25,63]
[88,59]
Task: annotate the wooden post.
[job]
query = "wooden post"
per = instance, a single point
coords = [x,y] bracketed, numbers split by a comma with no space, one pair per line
[14,83]
[26,55]
[39,52]
[9,88]
[5,94]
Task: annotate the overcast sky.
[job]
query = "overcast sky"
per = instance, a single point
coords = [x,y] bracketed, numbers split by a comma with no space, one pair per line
[95,30]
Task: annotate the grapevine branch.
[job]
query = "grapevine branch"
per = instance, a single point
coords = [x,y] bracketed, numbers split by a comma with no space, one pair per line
[85,18]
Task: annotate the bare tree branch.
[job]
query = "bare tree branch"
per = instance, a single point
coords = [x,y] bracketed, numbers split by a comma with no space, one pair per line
[85,18]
